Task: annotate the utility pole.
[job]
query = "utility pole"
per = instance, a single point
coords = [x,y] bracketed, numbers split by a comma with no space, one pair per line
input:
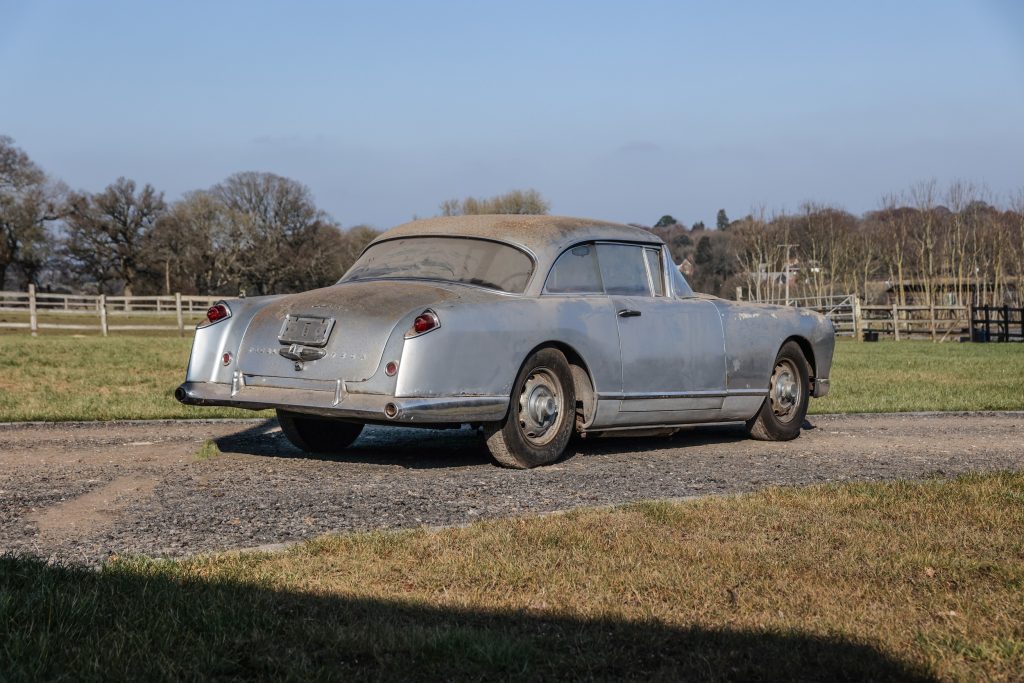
[786,270]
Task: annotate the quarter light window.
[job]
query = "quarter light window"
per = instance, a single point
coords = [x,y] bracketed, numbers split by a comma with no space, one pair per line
[654,268]
[575,272]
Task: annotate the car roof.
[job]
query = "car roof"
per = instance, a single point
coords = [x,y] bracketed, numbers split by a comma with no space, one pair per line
[544,236]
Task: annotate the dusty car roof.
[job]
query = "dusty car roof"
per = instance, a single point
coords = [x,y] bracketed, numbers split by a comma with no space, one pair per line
[545,236]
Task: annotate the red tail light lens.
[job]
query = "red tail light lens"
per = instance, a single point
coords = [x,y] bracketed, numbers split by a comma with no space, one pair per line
[424,322]
[218,312]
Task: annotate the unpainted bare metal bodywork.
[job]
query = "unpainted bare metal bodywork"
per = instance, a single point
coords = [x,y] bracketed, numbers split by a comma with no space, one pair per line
[675,359]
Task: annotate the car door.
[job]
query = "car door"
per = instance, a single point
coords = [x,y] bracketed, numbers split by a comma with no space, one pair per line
[672,349]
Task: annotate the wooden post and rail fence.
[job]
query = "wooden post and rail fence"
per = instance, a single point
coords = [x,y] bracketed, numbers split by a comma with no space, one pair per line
[851,317]
[100,313]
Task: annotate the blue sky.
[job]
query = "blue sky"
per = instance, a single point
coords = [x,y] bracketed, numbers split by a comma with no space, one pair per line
[623,111]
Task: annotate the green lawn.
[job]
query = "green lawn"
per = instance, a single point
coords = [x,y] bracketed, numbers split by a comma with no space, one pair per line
[53,377]
[911,376]
[883,581]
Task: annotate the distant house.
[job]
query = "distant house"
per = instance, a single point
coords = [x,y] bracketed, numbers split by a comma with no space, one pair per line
[686,267]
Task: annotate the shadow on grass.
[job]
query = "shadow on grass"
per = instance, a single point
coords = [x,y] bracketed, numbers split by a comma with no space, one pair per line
[138,621]
[419,448]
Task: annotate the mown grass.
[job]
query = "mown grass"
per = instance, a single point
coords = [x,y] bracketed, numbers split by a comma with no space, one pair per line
[133,377]
[880,581]
[909,376]
[95,378]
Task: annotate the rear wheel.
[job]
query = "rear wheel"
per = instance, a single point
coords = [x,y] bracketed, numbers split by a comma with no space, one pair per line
[782,413]
[318,435]
[541,416]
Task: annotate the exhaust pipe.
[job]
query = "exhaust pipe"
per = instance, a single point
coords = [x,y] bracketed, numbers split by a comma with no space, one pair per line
[181,395]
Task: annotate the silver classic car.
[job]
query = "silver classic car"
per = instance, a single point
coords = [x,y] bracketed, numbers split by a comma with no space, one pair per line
[532,328]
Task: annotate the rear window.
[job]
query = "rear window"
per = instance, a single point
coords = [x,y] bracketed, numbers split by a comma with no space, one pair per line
[449,259]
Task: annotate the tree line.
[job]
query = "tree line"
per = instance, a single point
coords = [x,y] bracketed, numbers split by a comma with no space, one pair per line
[262,233]
[257,233]
[949,245]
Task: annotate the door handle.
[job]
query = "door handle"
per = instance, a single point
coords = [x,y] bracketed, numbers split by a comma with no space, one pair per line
[629,313]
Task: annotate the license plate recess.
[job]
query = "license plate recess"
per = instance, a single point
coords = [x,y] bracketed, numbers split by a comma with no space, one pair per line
[307,330]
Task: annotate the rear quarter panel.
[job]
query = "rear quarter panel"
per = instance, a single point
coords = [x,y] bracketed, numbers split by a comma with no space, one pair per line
[480,347]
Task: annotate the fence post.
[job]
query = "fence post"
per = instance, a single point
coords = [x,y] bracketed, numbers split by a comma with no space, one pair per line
[970,321]
[931,310]
[858,333]
[1005,335]
[33,318]
[103,314]
[177,309]
[896,322]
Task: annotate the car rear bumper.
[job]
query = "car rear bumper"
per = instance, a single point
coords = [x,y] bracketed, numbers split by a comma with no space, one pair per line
[361,407]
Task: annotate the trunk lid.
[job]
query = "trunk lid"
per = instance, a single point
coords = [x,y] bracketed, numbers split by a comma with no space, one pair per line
[363,313]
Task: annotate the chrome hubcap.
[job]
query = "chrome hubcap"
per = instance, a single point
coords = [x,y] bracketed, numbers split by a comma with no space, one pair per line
[785,390]
[540,406]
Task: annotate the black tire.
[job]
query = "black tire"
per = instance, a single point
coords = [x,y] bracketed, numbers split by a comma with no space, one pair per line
[782,414]
[541,415]
[318,435]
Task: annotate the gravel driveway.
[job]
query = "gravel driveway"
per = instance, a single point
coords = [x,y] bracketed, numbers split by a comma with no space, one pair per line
[83,491]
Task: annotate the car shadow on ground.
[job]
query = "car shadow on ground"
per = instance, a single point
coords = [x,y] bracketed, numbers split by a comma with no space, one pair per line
[419,448]
[154,622]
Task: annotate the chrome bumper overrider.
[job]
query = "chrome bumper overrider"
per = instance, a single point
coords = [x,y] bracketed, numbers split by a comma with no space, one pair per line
[368,407]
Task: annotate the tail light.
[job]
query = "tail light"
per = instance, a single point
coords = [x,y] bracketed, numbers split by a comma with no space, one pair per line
[424,322]
[218,312]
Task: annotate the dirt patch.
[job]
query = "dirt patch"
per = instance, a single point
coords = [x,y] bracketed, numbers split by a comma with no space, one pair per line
[86,514]
[82,491]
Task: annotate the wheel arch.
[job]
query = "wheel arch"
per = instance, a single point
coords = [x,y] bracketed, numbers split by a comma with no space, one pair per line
[806,349]
[583,382]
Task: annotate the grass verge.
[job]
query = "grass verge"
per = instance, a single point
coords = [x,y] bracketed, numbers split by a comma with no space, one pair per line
[133,377]
[880,581]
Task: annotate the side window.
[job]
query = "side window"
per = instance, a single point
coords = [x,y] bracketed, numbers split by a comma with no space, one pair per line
[623,269]
[654,268]
[576,271]
[680,286]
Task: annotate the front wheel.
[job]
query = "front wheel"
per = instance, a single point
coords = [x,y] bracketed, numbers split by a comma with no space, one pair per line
[318,435]
[541,416]
[782,413]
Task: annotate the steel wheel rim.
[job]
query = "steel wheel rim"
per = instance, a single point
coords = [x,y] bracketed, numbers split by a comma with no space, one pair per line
[786,392]
[540,412]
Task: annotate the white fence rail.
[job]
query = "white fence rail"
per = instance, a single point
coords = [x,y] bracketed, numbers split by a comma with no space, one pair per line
[100,312]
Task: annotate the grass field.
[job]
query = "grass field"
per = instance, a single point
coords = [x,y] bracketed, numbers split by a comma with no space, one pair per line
[133,377]
[827,583]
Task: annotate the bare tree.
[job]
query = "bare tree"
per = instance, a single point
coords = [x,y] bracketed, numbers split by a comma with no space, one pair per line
[1014,220]
[107,231]
[28,200]
[514,202]
[286,242]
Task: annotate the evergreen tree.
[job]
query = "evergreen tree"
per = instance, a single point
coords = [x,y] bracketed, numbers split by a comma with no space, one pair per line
[722,221]
[704,253]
